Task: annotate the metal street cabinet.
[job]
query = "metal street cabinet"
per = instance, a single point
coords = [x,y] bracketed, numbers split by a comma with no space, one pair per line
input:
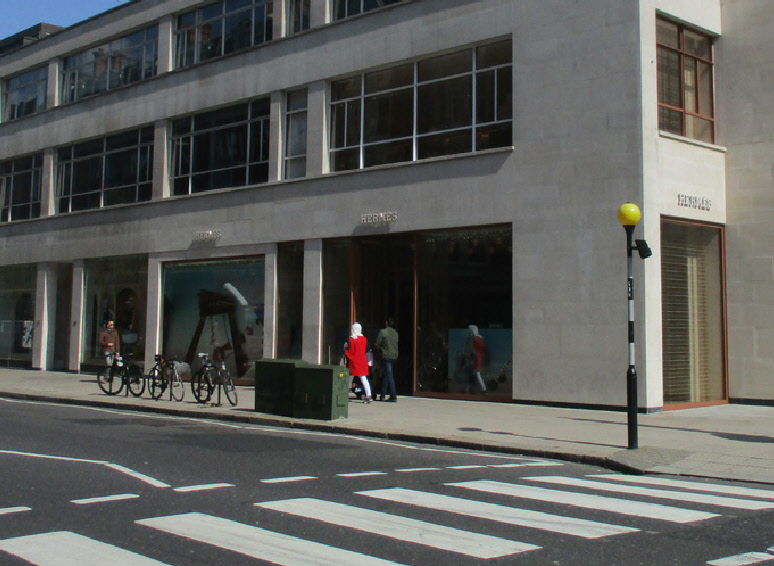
[321,392]
[274,386]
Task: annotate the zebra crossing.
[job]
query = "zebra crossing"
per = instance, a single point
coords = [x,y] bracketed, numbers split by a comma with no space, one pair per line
[623,501]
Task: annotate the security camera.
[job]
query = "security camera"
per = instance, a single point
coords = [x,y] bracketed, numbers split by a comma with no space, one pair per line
[643,249]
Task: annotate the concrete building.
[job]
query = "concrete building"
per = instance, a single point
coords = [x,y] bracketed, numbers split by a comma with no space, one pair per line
[256,175]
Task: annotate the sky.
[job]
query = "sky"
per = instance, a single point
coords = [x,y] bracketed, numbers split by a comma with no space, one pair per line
[18,15]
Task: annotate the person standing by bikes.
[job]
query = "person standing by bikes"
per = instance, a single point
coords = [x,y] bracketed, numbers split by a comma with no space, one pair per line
[110,342]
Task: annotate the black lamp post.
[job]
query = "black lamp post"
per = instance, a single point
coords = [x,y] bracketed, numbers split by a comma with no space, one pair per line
[629,215]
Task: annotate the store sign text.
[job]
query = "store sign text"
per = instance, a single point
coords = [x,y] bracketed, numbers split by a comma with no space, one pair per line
[378,217]
[207,235]
[694,202]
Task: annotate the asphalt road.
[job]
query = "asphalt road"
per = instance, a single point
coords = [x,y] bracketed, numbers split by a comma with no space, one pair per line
[86,486]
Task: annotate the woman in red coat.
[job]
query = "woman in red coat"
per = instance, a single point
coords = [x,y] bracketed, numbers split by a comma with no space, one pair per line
[355,350]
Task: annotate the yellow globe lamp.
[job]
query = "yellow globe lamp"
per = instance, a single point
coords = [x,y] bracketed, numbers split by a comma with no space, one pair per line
[629,214]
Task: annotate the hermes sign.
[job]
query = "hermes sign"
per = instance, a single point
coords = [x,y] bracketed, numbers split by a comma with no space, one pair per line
[378,217]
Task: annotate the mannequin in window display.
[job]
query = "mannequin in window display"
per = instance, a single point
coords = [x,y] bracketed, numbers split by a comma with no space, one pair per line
[475,350]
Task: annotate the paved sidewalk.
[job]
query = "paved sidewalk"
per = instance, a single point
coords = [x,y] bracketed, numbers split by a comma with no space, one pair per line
[724,441]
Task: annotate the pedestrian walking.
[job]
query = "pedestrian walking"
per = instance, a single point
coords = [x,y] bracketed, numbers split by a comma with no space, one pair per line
[387,345]
[355,352]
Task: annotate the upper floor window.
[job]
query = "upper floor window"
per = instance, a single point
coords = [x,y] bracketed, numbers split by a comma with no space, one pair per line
[295,135]
[685,81]
[20,188]
[228,147]
[348,8]
[117,169]
[455,103]
[221,28]
[25,94]
[121,62]
[298,16]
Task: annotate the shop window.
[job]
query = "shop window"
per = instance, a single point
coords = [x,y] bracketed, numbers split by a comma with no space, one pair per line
[295,135]
[228,147]
[685,81]
[692,313]
[107,171]
[121,62]
[17,312]
[20,188]
[451,104]
[117,290]
[215,307]
[25,94]
[221,28]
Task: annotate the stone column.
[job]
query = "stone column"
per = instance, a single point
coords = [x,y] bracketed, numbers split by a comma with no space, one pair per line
[76,317]
[270,303]
[45,315]
[311,350]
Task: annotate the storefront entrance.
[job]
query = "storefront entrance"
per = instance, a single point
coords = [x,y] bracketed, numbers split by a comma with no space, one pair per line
[694,362]
[450,294]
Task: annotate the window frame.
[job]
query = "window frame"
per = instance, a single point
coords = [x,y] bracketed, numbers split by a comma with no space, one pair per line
[296,106]
[16,85]
[96,154]
[188,38]
[13,196]
[78,67]
[350,148]
[705,109]
[183,147]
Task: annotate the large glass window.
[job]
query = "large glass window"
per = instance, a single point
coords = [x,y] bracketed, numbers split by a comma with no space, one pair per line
[228,147]
[25,94]
[17,314]
[348,8]
[450,293]
[290,299]
[685,81]
[20,188]
[295,135]
[692,313]
[298,16]
[114,170]
[221,28]
[121,62]
[115,289]
[215,307]
[455,103]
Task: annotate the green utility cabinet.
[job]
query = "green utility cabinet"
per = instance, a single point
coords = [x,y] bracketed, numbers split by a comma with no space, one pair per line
[321,392]
[274,386]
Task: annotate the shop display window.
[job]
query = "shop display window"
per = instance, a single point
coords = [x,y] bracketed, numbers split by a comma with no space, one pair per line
[17,310]
[215,307]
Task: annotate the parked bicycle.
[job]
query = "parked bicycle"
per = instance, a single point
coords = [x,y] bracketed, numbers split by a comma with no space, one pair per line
[112,379]
[165,374]
[211,375]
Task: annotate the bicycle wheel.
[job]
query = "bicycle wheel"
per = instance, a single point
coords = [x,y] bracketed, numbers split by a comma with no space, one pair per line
[135,380]
[157,383]
[110,381]
[229,388]
[202,386]
[176,385]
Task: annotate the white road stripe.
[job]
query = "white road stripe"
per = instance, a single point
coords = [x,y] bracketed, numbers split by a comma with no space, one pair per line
[400,528]
[528,465]
[471,467]
[409,470]
[202,487]
[743,559]
[658,493]
[695,486]
[361,474]
[288,479]
[10,510]
[590,501]
[500,513]
[105,498]
[256,542]
[63,548]
[137,475]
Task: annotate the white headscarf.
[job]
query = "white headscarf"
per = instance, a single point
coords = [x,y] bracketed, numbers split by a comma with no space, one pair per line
[357,330]
[473,329]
